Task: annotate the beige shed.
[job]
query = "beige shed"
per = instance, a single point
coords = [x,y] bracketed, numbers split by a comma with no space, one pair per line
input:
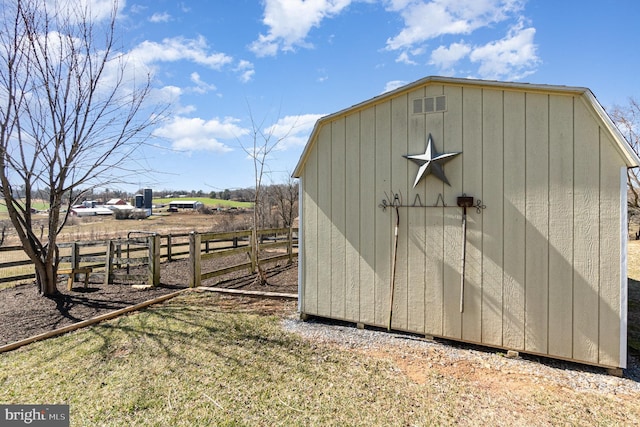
[535,262]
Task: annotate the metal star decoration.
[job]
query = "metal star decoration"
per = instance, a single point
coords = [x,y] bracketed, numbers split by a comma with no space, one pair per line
[431,162]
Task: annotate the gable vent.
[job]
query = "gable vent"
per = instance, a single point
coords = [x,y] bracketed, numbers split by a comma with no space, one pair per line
[432,104]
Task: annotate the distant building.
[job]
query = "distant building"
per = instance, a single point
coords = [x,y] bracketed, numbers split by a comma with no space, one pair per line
[185,204]
[116,202]
[82,210]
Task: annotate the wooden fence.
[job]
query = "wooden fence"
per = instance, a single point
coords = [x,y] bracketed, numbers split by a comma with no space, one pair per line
[113,259]
[227,244]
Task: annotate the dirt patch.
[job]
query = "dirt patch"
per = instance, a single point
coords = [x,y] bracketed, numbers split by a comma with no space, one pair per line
[24,313]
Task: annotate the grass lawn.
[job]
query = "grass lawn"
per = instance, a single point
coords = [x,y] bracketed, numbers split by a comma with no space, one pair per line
[200,361]
[189,363]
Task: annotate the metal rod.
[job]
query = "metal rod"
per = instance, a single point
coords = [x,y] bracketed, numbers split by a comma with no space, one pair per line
[393,268]
[464,254]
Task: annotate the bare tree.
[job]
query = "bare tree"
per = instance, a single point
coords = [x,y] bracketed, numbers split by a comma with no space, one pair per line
[263,142]
[71,115]
[627,118]
[285,197]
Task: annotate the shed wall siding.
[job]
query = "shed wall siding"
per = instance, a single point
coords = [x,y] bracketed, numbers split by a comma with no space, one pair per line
[542,263]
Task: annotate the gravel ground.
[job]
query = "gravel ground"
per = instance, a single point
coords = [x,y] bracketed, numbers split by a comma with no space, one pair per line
[417,356]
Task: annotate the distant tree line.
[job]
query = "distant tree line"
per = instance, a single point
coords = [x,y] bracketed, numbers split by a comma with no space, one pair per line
[277,205]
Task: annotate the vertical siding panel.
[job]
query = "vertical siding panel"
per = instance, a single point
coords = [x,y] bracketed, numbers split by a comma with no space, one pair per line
[514,221]
[324,220]
[383,231]
[399,167]
[492,196]
[537,228]
[610,256]
[418,311]
[452,142]
[310,234]
[472,185]
[338,221]
[586,235]
[434,221]
[368,215]
[352,230]
[560,225]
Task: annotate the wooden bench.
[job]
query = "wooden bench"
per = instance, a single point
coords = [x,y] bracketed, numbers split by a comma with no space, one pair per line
[72,273]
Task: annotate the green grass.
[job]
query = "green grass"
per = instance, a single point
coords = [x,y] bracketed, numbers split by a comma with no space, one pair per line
[207,202]
[36,204]
[187,363]
[191,362]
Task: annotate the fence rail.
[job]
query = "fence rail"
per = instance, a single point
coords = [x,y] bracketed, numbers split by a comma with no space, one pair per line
[112,257]
[276,237]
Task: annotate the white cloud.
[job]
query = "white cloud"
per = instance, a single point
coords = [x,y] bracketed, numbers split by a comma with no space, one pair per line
[290,21]
[168,94]
[219,135]
[176,49]
[393,85]
[293,131]
[74,10]
[446,57]
[137,9]
[246,70]
[160,17]
[404,58]
[196,134]
[512,57]
[425,20]
[201,87]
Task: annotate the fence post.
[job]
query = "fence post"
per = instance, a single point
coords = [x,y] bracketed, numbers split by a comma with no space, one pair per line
[290,245]
[194,259]
[154,260]
[118,250]
[108,263]
[75,259]
[169,248]
[254,251]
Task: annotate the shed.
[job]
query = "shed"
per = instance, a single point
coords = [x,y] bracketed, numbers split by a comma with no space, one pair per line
[535,262]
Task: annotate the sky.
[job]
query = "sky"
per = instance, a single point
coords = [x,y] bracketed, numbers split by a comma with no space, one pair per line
[230,67]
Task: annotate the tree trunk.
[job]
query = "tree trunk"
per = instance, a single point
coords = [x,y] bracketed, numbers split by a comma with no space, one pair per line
[46,278]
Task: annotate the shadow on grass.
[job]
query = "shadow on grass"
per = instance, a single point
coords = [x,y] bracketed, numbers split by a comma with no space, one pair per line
[188,334]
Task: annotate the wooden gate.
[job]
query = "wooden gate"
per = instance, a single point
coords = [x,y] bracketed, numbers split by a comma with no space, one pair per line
[135,259]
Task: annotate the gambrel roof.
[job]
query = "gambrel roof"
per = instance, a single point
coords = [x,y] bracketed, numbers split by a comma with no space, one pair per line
[631,157]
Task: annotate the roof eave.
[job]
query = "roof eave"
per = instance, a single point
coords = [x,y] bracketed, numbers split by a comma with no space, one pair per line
[631,158]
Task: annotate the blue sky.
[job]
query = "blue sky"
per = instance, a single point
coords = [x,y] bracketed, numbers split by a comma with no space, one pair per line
[289,62]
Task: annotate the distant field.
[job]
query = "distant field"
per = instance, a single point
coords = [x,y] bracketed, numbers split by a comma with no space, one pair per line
[42,206]
[36,204]
[207,202]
